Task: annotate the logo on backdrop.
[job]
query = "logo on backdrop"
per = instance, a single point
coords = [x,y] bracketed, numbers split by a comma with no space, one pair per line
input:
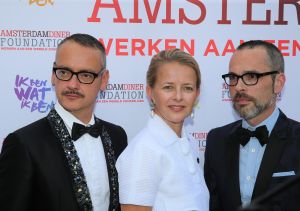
[226,95]
[201,137]
[122,93]
[30,40]
[225,92]
[32,94]
[41,3]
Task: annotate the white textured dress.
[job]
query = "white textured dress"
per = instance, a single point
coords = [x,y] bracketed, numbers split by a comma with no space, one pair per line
[160,170]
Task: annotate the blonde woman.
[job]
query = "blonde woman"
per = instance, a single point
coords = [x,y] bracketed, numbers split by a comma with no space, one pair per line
[159,170]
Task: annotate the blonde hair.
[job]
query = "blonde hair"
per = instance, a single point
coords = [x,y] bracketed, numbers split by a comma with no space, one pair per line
[168,56]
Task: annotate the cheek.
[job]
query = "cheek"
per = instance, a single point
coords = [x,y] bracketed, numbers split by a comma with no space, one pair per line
[232,92]
[92,92]
[161,96]
[57,86]
[191,100]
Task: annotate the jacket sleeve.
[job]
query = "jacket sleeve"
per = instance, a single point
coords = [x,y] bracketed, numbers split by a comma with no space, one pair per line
[210,179]
[15,175]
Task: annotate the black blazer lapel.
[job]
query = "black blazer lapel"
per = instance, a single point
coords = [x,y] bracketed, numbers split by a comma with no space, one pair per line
[80,188]
[110,164]
[272,155]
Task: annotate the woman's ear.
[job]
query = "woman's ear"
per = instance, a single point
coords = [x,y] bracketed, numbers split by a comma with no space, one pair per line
[149,93]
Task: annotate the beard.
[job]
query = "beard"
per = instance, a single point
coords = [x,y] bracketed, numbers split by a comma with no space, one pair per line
[249,112]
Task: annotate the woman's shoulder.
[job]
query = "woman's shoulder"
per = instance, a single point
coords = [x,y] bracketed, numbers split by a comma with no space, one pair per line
[143,144]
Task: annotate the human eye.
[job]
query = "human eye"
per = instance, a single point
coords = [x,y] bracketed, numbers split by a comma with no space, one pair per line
[167,87]
[250,76]
[188,88]
[86,75]
[63,73]
[230,79]
[231,76]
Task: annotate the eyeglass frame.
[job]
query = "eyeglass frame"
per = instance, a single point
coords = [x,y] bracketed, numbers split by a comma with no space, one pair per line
[99,74]
[258,76]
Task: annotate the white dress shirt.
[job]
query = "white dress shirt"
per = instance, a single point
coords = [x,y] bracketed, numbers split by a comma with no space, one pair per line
[92,159]
[250,158]
[160,170]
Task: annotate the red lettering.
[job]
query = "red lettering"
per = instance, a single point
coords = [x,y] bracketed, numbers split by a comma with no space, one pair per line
[152,16]
[168,18]
[211,48]
[183,18]
[224,19]
[108,46]
[281,46]
[120,45]
[189,48]
[135,18]
[153,46]
[249,19]
[169,42]
[296,46]
[115,5]
[281,20]
[229,48]
[138,45]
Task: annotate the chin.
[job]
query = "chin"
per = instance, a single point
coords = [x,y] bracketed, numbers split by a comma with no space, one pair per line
[177,121]
[69,108]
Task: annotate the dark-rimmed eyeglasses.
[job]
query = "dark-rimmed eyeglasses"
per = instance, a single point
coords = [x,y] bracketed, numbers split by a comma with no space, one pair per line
[249,78]
[85,77]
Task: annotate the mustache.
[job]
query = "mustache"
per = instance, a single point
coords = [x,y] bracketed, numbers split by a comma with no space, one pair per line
[239,95]
[73,92]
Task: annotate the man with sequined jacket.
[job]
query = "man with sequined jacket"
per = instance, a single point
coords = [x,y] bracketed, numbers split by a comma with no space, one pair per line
[66,161]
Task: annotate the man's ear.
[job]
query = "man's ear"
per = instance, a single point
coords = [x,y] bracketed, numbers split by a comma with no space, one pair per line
[53,77]
[279,82]
[104,80]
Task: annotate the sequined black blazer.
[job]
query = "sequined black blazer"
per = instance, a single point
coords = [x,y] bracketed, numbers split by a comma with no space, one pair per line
[35,174]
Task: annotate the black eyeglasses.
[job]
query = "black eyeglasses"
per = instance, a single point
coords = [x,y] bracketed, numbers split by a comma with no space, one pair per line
[85,77]
[250,78]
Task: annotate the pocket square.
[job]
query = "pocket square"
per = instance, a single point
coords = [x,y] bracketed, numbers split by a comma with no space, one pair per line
[283,174]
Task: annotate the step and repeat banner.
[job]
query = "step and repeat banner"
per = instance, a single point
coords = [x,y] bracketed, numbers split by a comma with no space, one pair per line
[132,32]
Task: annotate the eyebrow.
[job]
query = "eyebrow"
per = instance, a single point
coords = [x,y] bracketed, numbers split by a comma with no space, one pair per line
[244,72]
[70,69]
[171,83]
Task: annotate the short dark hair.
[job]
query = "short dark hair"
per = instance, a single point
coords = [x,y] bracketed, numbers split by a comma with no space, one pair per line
[86,40]
[275,57]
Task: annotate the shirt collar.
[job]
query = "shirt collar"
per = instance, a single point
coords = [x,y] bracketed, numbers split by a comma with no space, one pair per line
[69,118]
[163,131]
[269,122]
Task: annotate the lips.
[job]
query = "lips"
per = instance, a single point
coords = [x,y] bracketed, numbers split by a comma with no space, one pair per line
[72,96]
[176,107]
[241,100]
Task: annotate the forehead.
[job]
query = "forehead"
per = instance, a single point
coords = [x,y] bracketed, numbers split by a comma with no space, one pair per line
[255,59]
[74,55]
[176,72]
